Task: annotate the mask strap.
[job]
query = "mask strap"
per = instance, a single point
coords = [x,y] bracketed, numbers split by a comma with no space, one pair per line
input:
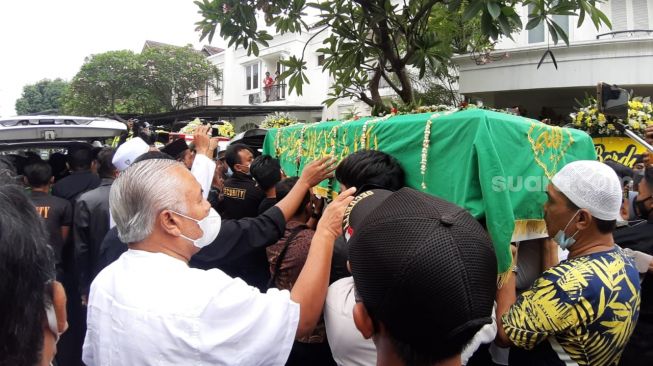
[182,215]
[569,222]
[572,218]
[52,321]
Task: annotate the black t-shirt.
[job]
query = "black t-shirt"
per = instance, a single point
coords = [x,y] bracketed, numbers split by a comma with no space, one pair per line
[266,204]
[639,350]
[56,212]
[640,238]
[241,197]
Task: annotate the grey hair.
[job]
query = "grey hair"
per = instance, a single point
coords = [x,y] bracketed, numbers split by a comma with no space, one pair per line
[140,193]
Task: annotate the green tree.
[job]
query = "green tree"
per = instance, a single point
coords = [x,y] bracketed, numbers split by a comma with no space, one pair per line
[372,40]
[105,83]
[173,74]
[44,95]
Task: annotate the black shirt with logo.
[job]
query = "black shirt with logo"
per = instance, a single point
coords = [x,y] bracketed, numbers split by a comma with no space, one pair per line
[56,212]
[241,197]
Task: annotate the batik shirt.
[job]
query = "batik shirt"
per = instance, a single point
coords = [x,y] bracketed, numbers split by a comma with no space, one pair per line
[581,311]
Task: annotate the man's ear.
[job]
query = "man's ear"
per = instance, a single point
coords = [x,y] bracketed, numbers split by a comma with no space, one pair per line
[59,303]
[363,322]
[169,222]
[25,181]
[51,180]
[584,220]
[349,267]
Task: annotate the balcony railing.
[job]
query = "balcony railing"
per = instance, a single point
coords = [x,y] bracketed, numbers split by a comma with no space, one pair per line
[198,102]
[274,93]
[626,34]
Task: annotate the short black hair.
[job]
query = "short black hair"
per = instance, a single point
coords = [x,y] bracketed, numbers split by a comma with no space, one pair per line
[58,163]
[38,174]
[153,155]
[106,169]
[27,266]
[603,226]
[266,170]
[285,186]
[232,156]
[80,159]
[371,167]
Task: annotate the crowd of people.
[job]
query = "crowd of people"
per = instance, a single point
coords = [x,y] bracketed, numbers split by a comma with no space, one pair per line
[135,256]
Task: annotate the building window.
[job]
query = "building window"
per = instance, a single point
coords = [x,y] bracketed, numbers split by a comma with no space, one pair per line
[320,60]
[251,77]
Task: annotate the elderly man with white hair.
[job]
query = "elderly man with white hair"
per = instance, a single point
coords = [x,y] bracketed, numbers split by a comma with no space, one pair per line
[583,310]
[150,308]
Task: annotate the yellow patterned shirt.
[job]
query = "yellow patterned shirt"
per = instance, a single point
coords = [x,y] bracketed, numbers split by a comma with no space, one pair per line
[585,308]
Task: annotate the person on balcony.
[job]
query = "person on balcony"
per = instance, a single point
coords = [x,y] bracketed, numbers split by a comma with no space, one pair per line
[268,82]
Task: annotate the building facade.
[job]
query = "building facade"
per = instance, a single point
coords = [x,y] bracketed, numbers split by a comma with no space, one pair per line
[509,76]
[243,80]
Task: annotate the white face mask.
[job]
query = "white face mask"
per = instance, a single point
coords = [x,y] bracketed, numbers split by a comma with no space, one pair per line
[210,226]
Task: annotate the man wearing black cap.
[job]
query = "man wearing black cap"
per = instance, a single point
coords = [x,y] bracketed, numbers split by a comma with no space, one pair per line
[179,150]
[425,272]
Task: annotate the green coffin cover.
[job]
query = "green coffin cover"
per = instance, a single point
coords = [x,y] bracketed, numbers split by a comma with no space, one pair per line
[495,165]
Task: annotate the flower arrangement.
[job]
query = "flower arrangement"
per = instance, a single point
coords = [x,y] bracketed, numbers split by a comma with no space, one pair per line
[433,108]
[278,120]
[588,118]
[225,128]
[190,128]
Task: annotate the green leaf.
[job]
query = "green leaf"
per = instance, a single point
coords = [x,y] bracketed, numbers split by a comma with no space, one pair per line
[494,9]
[554,35]
[561,32]
[533,22]
[472,9]
[254,48]
[604,18]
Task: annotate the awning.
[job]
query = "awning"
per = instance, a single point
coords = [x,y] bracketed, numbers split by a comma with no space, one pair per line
[224,112]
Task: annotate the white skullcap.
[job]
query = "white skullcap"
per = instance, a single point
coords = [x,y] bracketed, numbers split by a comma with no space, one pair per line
[128,152]
[593,186]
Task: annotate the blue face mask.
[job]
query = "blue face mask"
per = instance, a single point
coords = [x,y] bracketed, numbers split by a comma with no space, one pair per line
[561,238]
[229,173]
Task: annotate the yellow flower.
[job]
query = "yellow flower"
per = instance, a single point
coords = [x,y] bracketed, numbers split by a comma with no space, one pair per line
[635,125]
[601,117]
[611,127]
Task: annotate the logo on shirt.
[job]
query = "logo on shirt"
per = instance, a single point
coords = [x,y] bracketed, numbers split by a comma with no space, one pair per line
[43,211]
[237,193]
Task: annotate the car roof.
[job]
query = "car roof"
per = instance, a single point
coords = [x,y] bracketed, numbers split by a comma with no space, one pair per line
[56,130]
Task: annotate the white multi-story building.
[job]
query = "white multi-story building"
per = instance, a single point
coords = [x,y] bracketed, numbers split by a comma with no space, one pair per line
[509,77]
[243,78]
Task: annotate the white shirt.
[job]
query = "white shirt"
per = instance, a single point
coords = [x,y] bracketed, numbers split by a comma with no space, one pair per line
[348,346]
[152,309]
[203,170]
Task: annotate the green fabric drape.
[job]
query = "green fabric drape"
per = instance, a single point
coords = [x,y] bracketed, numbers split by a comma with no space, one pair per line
[495,165]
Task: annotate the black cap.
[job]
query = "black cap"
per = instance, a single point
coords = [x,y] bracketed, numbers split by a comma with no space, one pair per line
[422,266]
[175,148]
